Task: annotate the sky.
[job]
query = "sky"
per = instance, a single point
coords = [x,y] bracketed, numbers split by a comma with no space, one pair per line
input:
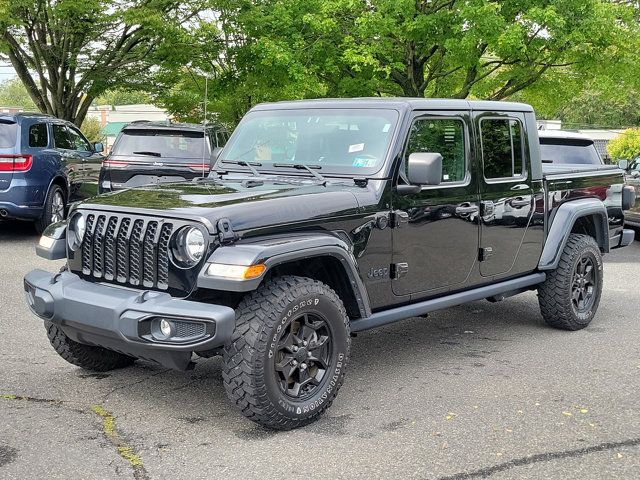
[6,72]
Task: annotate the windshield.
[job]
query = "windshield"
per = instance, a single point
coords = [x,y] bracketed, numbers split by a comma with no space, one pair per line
[8,133]
[569,151]
[146,144]
[343,141]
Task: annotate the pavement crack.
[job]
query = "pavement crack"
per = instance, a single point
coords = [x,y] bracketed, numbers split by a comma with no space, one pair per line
[542,457]
[125,451]
[131,384]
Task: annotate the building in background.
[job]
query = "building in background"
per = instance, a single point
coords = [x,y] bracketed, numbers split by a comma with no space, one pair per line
[113,119]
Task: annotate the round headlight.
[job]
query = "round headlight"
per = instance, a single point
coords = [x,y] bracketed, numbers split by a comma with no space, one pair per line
[77,228]
[189,246]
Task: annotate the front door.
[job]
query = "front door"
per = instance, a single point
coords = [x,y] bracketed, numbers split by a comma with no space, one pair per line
[90,160]
[505,189]
[435,237]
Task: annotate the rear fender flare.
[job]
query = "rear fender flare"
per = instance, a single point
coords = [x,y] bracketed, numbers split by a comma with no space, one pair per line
[276,250]
[562,224]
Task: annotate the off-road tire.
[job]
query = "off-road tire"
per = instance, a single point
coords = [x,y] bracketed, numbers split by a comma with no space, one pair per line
[47,211]
[96,359]
[250,374]
[555,294]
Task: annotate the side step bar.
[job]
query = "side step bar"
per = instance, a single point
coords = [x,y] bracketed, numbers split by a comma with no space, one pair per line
[417,309]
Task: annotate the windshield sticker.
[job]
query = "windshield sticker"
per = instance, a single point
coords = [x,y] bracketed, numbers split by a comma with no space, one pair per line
[386,128]
[363,162]
[358,147]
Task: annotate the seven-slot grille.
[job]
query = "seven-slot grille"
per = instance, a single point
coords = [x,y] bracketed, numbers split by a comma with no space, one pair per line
[127,250]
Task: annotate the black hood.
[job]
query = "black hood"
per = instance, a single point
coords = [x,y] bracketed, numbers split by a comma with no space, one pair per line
[247,207]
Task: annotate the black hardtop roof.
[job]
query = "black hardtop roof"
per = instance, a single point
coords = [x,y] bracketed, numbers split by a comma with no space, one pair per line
[159,125]
[398,103]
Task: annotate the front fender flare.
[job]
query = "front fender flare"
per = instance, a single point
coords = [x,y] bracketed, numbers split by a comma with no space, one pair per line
[276,250]
[562,223]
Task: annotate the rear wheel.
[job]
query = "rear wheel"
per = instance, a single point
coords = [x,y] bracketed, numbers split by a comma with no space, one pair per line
[287,357]
[54,208]
[570,296]
[97,359]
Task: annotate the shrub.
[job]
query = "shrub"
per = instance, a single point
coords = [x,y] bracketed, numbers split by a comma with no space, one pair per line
[625,146]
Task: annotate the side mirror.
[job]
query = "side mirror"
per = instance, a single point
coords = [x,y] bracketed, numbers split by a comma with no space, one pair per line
[424,169]
[623,164]
[214,155]
[98,147]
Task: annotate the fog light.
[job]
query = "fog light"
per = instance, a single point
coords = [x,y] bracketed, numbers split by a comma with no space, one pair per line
[166,328]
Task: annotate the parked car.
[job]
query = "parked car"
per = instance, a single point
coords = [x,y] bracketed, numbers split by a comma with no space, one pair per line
[561,147]
[323,218]
[45,163]
[158,152]
[632,217]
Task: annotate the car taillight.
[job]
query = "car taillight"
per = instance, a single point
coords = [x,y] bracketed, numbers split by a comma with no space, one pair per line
[114,164]
[198,166]
[15,163]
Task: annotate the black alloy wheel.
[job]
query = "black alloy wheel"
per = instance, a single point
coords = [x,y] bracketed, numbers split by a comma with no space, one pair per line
[303,355]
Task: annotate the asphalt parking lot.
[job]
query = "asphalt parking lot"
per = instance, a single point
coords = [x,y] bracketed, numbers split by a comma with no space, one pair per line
[481,390]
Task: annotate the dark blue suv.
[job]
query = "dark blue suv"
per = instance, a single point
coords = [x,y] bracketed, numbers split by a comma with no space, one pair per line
[45,163]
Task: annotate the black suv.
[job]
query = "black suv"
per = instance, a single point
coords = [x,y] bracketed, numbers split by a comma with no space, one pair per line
[158,152]
[320,219]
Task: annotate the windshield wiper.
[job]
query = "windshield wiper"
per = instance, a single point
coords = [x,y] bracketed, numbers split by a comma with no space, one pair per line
[302,166]
[249,165]
[151,154]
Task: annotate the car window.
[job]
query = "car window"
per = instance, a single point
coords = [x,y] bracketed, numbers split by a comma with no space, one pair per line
[78,141]
[144,144]
[61,137]
[38,136]
[336,140]
[502,148]
[443,136]
[562,151]
[8,133]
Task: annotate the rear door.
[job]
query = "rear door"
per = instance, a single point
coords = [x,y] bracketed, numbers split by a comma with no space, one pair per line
[507,200]
[9,147]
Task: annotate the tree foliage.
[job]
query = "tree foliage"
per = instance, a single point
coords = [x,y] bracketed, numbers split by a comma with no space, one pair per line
[625,146]
[68,52]
[286,49]
[14,94]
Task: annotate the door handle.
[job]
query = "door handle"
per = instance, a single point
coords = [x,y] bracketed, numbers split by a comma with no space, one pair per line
[467,209]
[519,202]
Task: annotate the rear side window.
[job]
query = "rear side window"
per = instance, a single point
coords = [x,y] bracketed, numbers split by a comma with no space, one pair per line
[443,136]
[61,137]
[8,133]
[561,151]
[502,148]
[38,136]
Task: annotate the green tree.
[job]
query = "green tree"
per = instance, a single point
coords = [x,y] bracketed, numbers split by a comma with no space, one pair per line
[122,97]
[68,52]
[288,49]
[92,129]
[14,94]
[625,146]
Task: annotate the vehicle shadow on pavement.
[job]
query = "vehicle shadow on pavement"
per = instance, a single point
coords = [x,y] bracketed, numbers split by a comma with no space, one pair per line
[14,231]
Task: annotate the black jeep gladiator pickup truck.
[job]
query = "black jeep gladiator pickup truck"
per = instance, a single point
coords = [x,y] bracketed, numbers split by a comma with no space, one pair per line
[319,219]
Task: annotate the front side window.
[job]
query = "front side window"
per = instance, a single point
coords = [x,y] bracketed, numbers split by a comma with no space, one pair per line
[78,141]
[61,137]
[443,136]
[335,140]
[502,148]
[38,136]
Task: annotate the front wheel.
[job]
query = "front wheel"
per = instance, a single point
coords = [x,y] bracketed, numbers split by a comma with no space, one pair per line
[570,295]
[288,354]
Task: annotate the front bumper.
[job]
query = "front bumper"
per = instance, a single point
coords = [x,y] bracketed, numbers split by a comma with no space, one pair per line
[119,319]
[623,239]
